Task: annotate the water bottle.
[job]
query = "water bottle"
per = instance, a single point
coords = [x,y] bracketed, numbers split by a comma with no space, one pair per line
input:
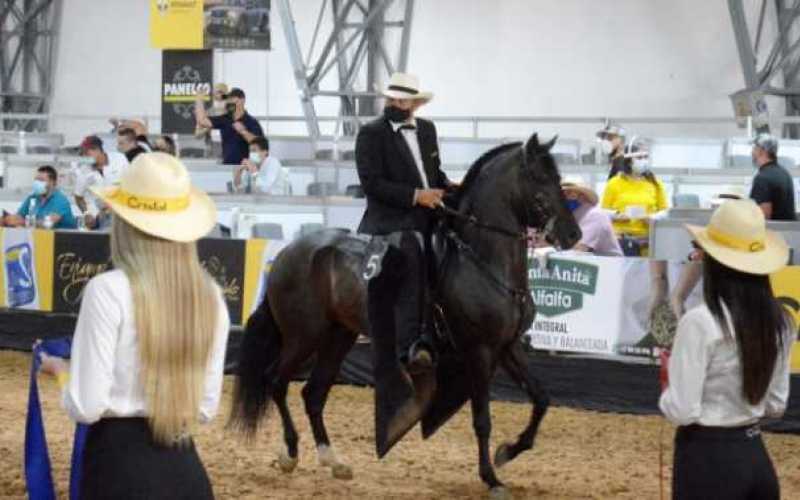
[30,219]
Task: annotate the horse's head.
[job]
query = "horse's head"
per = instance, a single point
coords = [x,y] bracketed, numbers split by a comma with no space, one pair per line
[542,201]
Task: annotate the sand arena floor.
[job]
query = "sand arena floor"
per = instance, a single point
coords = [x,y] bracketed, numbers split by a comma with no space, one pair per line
[578,454]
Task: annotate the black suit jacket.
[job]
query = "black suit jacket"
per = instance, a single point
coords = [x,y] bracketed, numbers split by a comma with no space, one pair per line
[389,176]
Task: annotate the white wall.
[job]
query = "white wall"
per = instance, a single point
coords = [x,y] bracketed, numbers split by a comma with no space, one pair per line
[502,57]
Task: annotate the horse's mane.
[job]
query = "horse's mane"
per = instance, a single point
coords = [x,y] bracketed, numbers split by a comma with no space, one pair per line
[475,170]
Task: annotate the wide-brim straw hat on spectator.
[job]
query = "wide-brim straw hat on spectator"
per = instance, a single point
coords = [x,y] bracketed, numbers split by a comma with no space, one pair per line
[731,192]
[578,186]
[737,237]
[406,86]
[156,196]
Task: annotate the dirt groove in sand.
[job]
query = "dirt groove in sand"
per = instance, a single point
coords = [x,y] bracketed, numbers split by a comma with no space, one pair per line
[578,454]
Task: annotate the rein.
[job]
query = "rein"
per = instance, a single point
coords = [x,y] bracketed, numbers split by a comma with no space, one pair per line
[473,221]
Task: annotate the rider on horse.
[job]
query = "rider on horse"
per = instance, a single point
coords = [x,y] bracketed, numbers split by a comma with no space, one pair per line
[397,156]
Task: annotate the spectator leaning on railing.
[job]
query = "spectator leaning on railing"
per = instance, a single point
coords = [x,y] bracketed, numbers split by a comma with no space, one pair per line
[237,127]
[128,144]
[262,172]
[46,203]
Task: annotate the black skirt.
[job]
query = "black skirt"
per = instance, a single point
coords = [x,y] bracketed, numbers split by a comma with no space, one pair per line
[121,461]
[724,463]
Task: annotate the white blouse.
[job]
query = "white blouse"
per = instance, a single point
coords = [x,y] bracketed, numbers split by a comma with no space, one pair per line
[705,376]
[104,370]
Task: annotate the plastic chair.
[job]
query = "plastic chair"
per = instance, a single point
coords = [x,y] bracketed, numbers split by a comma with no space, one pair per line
[685,200]
[267,230]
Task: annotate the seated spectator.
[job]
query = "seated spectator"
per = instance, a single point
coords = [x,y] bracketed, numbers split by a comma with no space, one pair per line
[165,144]
[261,172]
[99,172]
[597,234]
[128,144]
[46,200]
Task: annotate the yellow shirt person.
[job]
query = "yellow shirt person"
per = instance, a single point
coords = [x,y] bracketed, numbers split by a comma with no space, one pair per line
[625,191]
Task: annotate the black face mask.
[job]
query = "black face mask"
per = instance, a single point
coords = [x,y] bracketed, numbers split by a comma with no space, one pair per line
[230,107]
[395,114]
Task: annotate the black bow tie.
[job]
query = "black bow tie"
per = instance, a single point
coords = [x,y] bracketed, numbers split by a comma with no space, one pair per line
[407,126]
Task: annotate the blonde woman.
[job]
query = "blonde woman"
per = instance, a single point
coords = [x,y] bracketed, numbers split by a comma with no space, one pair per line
[149,346]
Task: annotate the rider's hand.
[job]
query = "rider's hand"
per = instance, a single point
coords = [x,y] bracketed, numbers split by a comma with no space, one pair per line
[430,198]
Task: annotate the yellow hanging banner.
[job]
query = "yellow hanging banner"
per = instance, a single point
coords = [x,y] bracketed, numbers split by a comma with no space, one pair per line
[786,287]
[176,24]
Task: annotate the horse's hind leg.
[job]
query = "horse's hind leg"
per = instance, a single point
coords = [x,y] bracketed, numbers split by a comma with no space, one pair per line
[338,343]
[287,459]
[289,364]
[482,420]
[515,364]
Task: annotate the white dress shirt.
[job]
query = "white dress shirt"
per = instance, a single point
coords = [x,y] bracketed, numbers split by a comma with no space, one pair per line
[273,178]
[104,370]
[705,376]
[410,135]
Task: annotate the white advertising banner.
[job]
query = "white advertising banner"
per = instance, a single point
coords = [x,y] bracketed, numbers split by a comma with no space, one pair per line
[578,303]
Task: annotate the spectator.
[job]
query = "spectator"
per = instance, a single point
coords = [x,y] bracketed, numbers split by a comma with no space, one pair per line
[217,108]
[773,188]
[262,172]
[46,200]
[138,127]
[99,172]
[128,144]
[612,144]
[634,195]
[165,144]
[236,127]
[597,234]
[729,367]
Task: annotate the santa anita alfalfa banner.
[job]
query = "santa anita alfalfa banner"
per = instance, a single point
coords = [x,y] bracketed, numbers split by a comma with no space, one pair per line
[600,305]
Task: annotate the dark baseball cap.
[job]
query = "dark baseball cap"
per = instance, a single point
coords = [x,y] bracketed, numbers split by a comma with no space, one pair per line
[236,92]
[91,142]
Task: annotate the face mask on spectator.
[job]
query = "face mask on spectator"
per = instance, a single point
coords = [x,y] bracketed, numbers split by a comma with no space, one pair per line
[639,166]
[606,147]
[573,205]
[39,187]
[87,160]
[255,157]
[230,107]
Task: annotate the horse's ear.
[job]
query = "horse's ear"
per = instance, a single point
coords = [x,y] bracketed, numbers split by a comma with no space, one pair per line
[548,146]
[531,147]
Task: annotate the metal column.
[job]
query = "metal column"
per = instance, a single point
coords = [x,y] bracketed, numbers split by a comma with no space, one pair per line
[28,49]
[776,70]
[355,42]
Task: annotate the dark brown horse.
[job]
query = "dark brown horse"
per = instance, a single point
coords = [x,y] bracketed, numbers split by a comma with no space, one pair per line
[315,306]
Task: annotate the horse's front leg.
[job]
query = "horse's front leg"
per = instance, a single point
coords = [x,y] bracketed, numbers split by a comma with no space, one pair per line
[482,420]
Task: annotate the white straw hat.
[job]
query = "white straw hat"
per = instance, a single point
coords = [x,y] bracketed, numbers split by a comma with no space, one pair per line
[737,237]
[576,184]
[405,86]
[155,195]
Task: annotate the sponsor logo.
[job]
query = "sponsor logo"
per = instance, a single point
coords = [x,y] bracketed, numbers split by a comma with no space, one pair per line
[183,88]
[559,287]
[19,275]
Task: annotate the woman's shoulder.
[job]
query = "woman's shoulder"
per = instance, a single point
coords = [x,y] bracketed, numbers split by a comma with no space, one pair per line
[700,319]
[112,281]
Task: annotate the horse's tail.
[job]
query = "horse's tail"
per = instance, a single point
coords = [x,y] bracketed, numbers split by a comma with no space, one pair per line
[259,356]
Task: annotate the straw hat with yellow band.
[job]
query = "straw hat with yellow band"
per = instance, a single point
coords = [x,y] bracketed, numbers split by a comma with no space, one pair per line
[155,195]
[737,237]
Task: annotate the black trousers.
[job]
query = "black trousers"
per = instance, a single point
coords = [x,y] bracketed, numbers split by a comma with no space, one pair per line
[396,298]
[121,461]
[722,463]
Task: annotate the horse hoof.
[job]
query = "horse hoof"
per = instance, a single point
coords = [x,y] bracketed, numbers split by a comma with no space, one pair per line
[503,455]
[342,471]
[286,463]
[499,493]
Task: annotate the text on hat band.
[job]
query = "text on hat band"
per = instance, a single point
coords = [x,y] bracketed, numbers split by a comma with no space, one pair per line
[734,241]
[149,203]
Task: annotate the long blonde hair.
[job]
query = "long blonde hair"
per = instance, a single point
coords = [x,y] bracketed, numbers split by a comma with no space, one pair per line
[175,311]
